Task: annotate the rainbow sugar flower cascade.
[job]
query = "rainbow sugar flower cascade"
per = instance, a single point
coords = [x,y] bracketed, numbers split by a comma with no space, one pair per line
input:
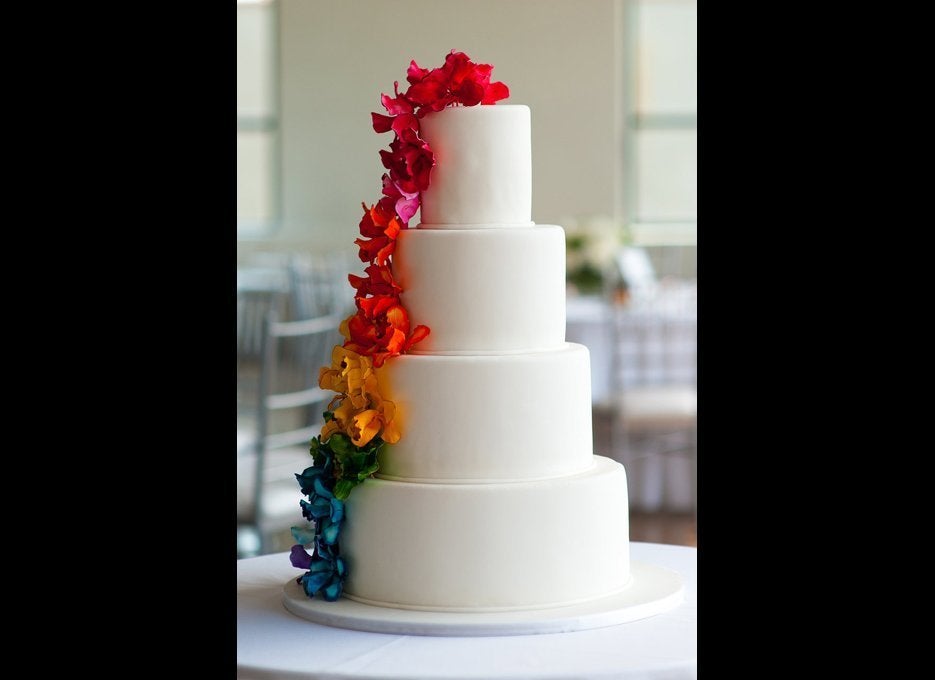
[359,420]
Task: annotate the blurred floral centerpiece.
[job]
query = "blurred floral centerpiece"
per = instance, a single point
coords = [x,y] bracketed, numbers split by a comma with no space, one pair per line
[591,244]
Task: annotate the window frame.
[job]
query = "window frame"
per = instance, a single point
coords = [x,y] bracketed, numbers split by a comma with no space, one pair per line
[647,232]
[270,124]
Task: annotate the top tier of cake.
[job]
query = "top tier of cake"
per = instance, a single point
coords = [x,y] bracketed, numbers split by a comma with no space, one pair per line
[483,168]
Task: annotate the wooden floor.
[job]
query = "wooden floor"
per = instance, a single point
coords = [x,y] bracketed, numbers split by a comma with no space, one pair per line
[663,527]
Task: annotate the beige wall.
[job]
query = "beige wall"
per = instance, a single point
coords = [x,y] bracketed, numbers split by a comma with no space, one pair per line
[558,57]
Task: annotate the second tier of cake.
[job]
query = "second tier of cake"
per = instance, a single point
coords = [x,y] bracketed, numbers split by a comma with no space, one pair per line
[484,291]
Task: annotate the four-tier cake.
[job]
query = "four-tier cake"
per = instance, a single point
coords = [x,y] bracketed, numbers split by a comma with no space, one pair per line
[455,471]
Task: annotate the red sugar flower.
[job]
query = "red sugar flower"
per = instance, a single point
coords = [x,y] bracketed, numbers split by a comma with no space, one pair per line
[381,226]
[404,121]
[398,105]
[379,281]
[380,328]
[431,90]
[382,123]
[494,92]
[409,160]
[458,81]
[403,202]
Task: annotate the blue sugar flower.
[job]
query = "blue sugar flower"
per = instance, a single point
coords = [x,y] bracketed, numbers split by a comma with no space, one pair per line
[319,507]
[326,570]
[332,591]
[319,574]
[326,575]
[329,530]
[326,551]
[307,479]
[323,507]
[337,510]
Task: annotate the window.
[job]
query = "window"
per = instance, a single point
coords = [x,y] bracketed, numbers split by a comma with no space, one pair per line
[258,195]
[660,121]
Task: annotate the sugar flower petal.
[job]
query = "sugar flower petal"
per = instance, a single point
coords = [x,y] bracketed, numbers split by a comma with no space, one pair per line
[337,510]
[303,535]
[307,478]
[313,580]
[398,105]
[329,530]
[381,123]
[300,558]
[332,591]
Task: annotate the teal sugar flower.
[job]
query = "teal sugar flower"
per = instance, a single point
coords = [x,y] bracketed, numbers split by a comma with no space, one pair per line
[325,576]
[308,476]
[325,569]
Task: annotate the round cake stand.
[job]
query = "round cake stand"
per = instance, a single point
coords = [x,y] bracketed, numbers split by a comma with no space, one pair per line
[652,590]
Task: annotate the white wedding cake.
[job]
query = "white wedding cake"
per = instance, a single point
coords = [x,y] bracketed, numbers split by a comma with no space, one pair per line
[455,475]
[492,499]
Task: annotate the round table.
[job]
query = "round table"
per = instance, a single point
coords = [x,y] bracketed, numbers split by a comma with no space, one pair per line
[272,643]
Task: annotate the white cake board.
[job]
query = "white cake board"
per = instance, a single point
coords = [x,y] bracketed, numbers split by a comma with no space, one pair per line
[652,590]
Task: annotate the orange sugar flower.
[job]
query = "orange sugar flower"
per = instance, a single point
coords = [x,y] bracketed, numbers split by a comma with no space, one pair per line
[379,226]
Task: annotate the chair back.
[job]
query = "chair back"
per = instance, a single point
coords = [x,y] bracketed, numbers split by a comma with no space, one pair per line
[655,339]
[654,417]
[253,307]
[289,408]
[319,285]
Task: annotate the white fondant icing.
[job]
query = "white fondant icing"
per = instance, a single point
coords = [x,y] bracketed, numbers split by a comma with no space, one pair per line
[492,500]
[483,167]
[489,418]
[485,290]
[484,547]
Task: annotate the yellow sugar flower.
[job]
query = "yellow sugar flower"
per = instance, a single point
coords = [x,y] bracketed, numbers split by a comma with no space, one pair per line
[384,411]
[341,420]
[365,427]
[361,423]
[347,374]
[367,424]
[330,428]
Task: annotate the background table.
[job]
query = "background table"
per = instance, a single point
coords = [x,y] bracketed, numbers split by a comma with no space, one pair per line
[272,643]
[587,322]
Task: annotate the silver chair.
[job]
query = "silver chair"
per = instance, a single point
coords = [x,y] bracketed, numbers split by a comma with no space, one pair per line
[653,402]
[259,290]
[262,287]
[289,413]
[319,285]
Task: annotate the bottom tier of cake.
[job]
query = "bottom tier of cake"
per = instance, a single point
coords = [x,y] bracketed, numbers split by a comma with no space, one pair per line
[488,547]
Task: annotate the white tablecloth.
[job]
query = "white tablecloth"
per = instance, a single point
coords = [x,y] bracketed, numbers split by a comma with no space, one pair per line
[272,643]
[587,322]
